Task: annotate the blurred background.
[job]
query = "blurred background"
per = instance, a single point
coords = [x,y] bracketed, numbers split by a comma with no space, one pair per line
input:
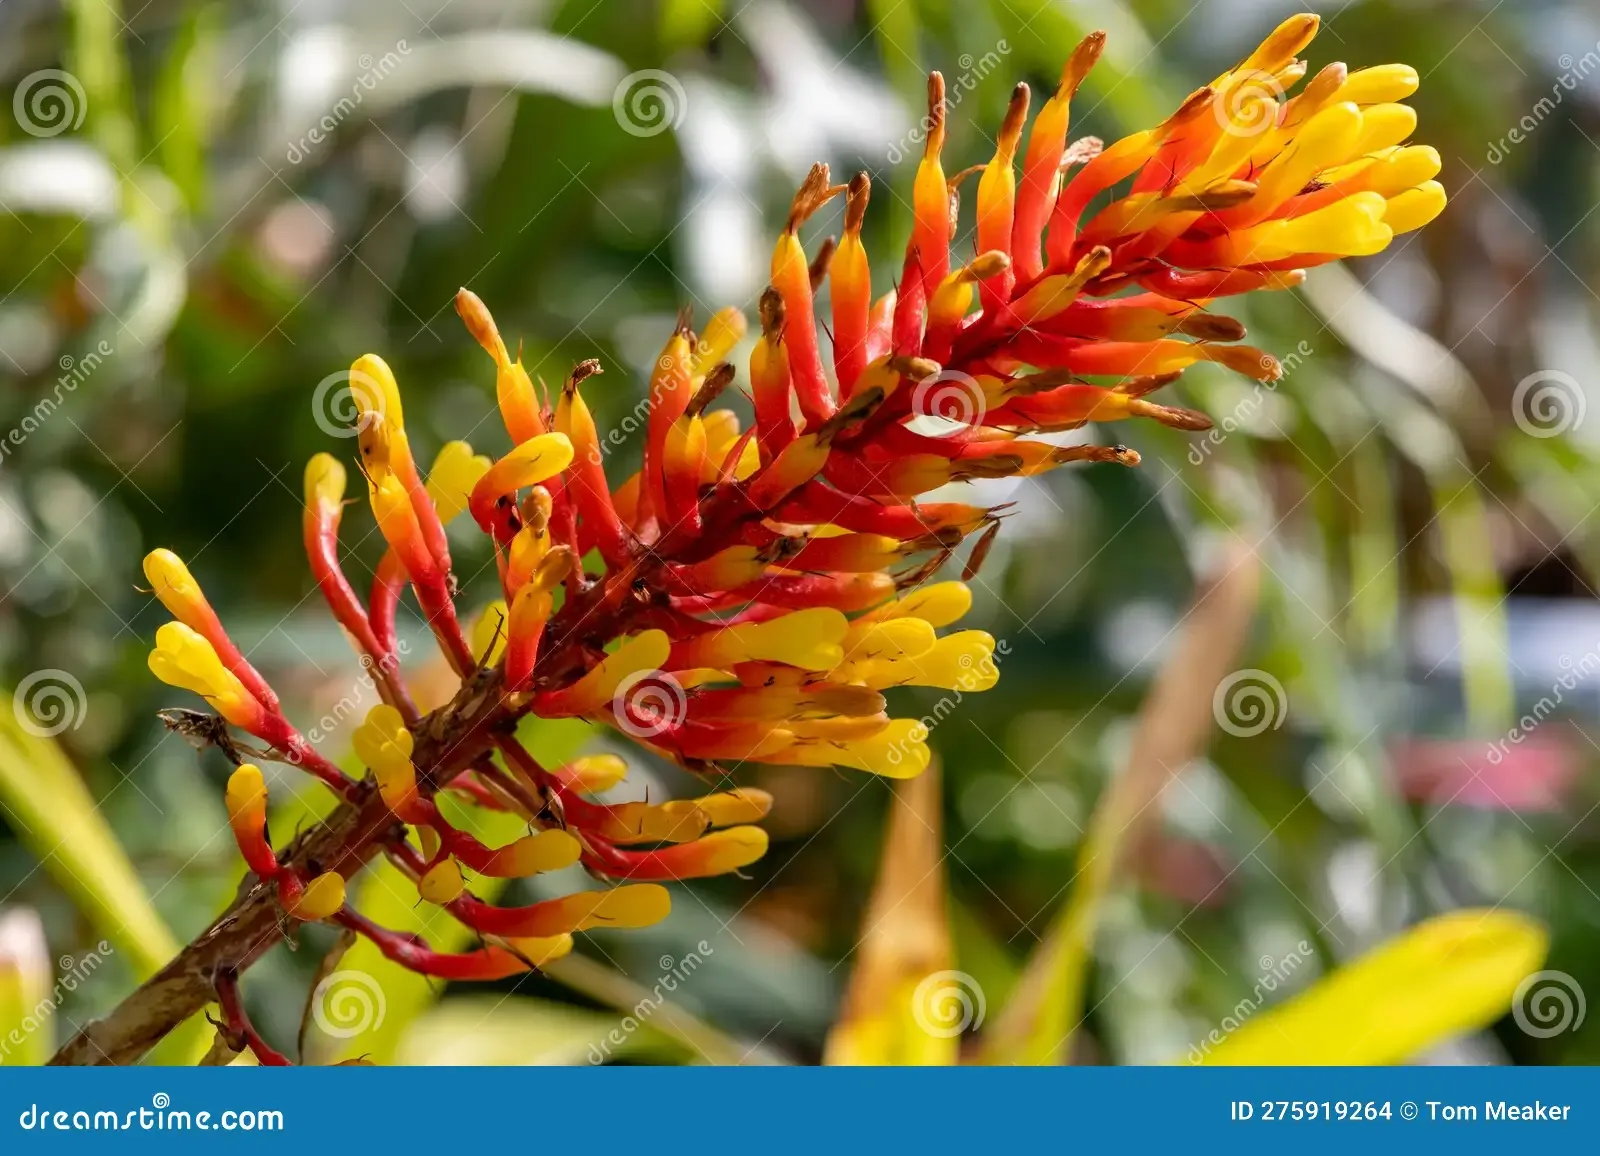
[207,209]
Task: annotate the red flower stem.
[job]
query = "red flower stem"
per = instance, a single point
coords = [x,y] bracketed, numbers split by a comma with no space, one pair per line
[236,1022]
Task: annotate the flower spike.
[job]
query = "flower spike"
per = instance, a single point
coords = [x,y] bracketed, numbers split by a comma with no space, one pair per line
[752,594]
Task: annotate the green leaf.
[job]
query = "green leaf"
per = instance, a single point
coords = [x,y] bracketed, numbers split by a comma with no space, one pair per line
[1449,975]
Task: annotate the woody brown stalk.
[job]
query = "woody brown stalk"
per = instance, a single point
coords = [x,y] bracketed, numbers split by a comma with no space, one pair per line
[356,832]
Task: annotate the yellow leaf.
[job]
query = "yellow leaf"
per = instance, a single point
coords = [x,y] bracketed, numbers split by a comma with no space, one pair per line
[904,1005]
[1451,974]
[46,802]
[24,987]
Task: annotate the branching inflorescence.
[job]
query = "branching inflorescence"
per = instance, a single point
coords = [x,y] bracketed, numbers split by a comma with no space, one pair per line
[748,595]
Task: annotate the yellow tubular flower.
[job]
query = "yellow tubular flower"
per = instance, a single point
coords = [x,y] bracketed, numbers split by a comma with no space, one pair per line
[184,659]
[456,470]
[323,896]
